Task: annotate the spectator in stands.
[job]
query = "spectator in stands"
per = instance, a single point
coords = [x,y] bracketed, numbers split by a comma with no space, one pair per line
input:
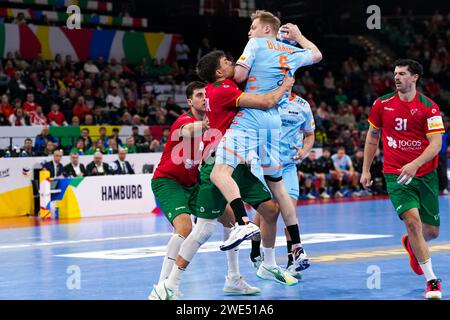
[48,149]
[174,111]
[87,139]
[326,170]
[41,140]
[344,168]
[165,137]
[114,102]
[38,118]
[89,120]
[27,149]
[131,145]
[17,87]
[29,105]
[103,137]
[97,167]
[20,19]
[115,136]
[55,117]
[74,168]
[90,67]
[126,119]
[138,139]
[357,160]
[18,118]
[182,53]
[121,165]
[55,167]
[96,147]
[113,147]
[79,147]
[5,107]
[307,174]
[149,144]
[75,121]
[81,109]
[98,118]
[114,67]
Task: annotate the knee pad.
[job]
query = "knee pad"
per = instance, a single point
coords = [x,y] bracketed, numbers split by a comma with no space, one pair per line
[202,231]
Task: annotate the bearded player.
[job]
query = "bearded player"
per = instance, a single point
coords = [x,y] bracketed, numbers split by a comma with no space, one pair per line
[411,128]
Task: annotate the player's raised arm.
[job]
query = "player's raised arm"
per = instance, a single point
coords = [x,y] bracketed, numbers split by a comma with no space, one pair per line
[268,100]
[292,32]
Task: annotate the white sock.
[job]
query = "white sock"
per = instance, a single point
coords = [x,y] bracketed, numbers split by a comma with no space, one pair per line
[232,257]
[269,257]
[174,279]
[173,247]
[427,269]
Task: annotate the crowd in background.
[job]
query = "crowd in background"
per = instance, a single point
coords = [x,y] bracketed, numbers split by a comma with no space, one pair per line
[64,92]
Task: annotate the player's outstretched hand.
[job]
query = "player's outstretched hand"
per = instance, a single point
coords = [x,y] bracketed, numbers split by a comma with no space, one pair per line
[288,82]
[290,31]
[366,179]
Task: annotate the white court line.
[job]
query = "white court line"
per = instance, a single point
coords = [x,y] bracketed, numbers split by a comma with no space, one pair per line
[211,246]
[57,243]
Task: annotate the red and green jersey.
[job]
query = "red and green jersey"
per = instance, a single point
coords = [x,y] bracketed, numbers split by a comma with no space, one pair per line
[405,127]
[180,158]
[222,102]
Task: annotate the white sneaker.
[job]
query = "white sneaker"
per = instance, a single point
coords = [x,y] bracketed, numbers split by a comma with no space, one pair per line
[445,191]
[239,286]
[338,194]
[301,261]
[238,234]
[257,261]
[325,195]
[310,196]
[162,292]
[356,194]
[291,270]
[276,274]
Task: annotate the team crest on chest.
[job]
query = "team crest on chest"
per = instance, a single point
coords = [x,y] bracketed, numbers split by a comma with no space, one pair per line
[413,111]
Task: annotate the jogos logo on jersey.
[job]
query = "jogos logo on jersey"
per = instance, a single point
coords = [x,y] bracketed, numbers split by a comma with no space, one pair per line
[404,144]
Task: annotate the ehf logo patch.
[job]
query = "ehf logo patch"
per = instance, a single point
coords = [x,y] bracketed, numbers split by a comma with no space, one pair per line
[435,123]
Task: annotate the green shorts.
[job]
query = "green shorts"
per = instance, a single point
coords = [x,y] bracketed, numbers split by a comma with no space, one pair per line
[210,201]
[173,197]
[421,193]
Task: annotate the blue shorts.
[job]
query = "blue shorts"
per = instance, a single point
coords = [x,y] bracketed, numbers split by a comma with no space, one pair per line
[258,148]
[290,180]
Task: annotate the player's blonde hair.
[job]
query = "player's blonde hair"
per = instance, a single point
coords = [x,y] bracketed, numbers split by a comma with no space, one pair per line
[267,18]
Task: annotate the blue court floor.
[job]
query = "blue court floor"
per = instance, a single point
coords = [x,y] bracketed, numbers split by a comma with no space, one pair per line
[354,247]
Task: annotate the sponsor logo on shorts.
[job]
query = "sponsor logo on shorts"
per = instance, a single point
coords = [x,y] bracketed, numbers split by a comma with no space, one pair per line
[169,214]
[179,208]
[216,211]
[202,209]
[399,207]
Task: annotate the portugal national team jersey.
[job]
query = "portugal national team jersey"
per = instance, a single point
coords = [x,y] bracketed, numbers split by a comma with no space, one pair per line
[296,119]
[180,160]
[268,61]
[222,100]
[405,127]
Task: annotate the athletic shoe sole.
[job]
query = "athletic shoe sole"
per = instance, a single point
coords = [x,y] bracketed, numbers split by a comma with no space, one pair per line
[238,242]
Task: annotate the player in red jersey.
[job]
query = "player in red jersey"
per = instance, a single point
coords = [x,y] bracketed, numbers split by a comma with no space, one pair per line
[411,128]
[175,182]
[222,100]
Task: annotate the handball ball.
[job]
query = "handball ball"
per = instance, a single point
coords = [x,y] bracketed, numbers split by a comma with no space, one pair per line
[280,38]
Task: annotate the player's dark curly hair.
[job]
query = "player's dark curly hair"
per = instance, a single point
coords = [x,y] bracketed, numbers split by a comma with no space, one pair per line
[413,66]
[208,64]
